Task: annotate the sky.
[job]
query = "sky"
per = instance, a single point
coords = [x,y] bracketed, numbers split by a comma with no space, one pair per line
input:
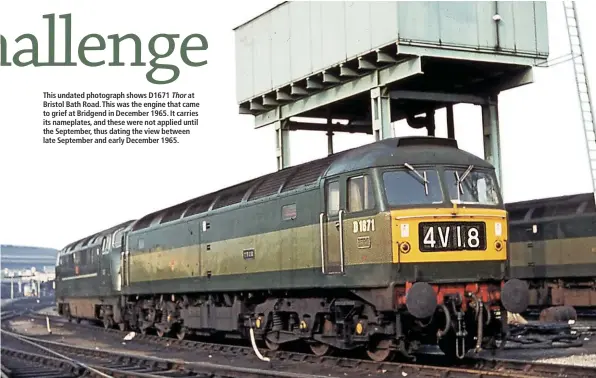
[53,194]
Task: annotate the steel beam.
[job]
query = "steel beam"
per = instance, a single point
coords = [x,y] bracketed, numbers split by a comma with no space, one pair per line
[450,123]
[378,78]
[312,126]
[381,113]
[453,98]
[513,80]
[469,54]
[491,132]
[329,142]
[282,138]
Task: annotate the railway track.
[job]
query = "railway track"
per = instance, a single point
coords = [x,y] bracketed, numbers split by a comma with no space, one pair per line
[76,361]
[342,366]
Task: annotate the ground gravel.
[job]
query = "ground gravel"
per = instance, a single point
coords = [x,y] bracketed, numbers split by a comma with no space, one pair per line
[588,360]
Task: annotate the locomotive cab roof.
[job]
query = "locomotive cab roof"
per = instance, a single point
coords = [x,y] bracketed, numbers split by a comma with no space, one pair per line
[398,151]
[93,239]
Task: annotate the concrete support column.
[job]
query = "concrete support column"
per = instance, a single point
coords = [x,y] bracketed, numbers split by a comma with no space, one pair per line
[381,113]
[492,142]
[11,288]
[282,142]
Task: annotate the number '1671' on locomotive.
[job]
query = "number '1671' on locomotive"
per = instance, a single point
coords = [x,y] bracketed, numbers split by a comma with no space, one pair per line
[383,247]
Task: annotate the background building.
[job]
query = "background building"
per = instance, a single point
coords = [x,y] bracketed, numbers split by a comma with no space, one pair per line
[25,267]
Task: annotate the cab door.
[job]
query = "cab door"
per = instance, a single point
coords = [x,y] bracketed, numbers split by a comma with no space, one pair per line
[367,237]
[332,228]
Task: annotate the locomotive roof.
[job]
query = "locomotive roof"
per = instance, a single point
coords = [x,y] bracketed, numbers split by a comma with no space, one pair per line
[562,206]
[566,199]
[388,152]
[92,239]
[398,151]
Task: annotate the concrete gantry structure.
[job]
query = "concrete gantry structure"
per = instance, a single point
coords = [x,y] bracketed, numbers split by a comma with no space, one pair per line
[362,66]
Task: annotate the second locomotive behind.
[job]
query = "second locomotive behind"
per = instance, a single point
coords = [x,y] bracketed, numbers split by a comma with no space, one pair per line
[552,248]
[383,247]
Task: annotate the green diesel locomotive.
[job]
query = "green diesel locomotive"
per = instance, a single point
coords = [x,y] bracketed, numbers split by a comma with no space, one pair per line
[553,248]
[382,247]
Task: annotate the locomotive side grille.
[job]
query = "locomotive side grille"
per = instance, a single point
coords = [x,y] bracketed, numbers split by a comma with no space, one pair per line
[308,174]
[234,195]
[174,213]
[271,184]
[201,205]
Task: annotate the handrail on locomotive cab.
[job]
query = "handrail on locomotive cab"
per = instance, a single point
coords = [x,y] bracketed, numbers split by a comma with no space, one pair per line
[341,240]
[321,229]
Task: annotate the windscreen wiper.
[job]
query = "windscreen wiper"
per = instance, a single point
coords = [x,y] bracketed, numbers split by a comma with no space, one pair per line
[422,178]
[460,180]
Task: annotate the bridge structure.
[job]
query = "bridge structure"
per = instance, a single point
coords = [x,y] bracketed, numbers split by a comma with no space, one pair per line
[359,67]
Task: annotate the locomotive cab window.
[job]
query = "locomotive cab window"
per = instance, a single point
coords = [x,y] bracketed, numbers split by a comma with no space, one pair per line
[360,194]
[414,186]
[333,198]
[117,239]
[105,244]
[472,186]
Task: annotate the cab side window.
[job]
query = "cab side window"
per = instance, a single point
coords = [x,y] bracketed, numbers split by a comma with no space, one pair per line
[332,198]
[360,194]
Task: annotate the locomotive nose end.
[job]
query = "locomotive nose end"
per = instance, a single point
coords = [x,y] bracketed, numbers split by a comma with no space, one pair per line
[515,296]
[421,300]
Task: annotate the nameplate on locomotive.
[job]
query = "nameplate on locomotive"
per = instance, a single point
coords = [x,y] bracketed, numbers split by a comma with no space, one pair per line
[363,242]
[451,236]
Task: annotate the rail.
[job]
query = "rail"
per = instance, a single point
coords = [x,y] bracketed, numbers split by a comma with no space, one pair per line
[133,361]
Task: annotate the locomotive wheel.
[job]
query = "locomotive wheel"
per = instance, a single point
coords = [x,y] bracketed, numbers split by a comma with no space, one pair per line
[271,345]
[122,326]
[160,333]
[379,351]
[320,349]
[180,335]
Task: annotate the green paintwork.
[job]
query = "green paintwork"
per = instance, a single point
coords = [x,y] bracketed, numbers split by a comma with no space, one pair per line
[290,249]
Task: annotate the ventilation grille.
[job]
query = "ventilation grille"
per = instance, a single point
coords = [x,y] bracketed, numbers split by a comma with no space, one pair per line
[308,173]
[271,184]
[199,206]
[174,213]
[233,196]
[144,222]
